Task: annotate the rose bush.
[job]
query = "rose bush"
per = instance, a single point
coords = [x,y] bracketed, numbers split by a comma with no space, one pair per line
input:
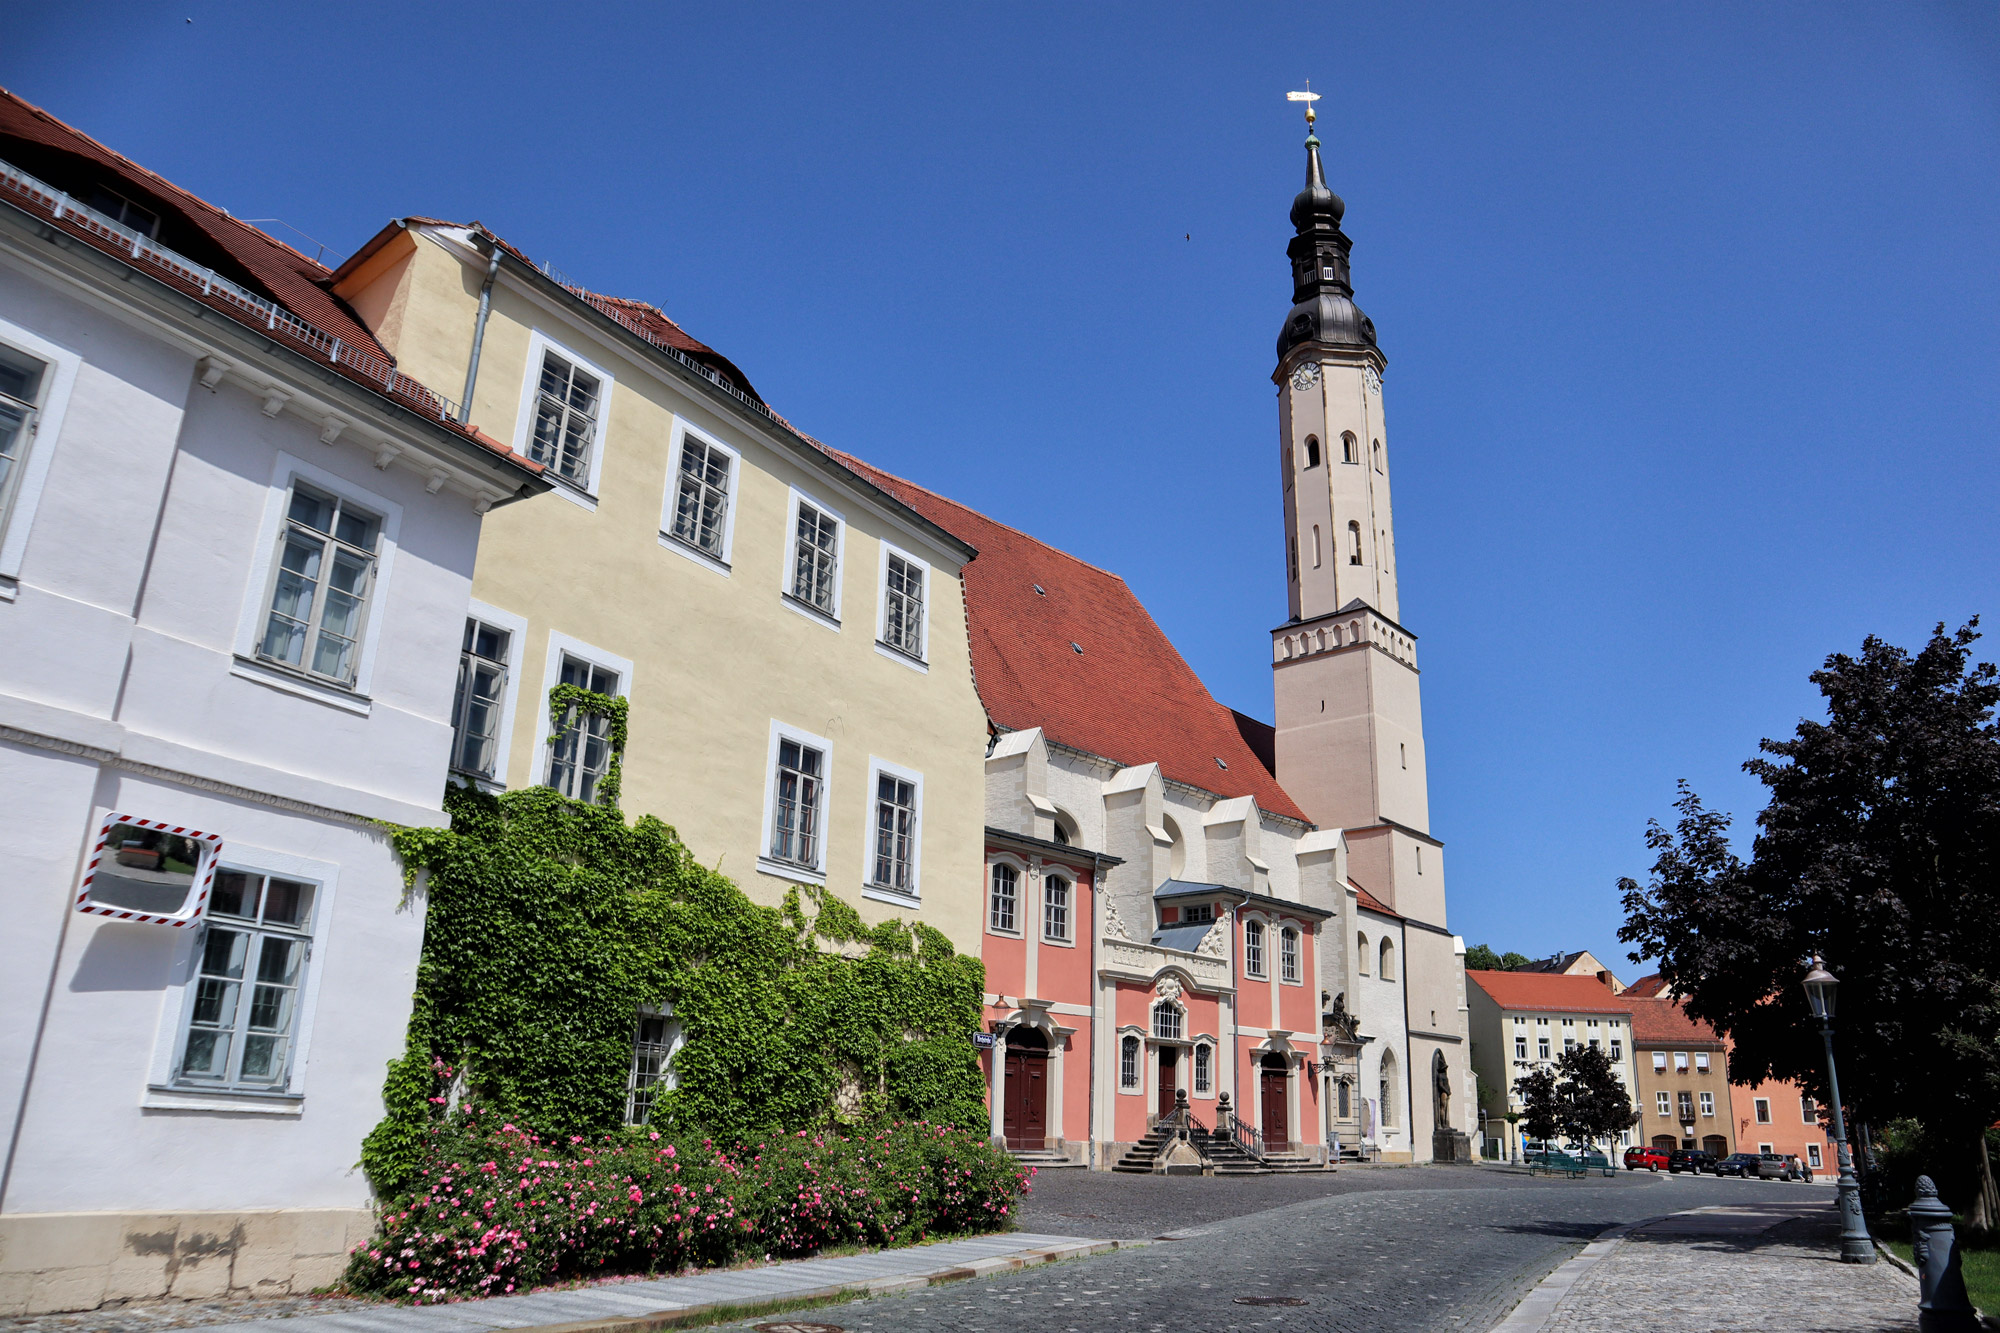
[499,1209]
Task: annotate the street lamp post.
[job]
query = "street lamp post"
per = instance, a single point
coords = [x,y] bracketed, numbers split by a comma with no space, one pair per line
[1855,1245]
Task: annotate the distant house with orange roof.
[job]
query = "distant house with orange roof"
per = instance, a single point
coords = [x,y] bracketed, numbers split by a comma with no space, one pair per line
[1522,1021]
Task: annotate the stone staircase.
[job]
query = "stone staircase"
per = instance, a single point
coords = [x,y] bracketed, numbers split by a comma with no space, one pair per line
[1220,1154]
[1045,1159]
[1142,1158]
[1291,1161]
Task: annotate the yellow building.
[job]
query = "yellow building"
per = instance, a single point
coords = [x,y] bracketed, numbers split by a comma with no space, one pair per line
[791,639]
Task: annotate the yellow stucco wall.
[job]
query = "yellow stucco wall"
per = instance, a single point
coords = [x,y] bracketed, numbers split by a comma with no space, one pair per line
[716,657]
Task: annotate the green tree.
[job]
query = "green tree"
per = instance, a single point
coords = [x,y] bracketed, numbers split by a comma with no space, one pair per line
[1593,1100]
[1483,958]
[1541,1113]
[1878,849]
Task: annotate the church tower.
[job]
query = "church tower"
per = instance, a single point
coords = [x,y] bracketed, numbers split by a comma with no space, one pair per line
[1349,718]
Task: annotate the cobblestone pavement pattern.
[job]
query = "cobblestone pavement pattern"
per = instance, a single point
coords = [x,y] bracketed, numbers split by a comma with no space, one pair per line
[1790,1277]
[1440,1248]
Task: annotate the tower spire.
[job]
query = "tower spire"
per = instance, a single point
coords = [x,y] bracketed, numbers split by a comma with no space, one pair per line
[1323,310]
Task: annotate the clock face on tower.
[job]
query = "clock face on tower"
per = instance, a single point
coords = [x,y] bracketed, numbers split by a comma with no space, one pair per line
[1306,375]
[1372,380]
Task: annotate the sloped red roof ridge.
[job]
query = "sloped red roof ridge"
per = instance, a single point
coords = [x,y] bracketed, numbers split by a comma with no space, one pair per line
[1662,1022]
[361,360]
[1081,658]
[1371,902]
[291,279]
[1546,990]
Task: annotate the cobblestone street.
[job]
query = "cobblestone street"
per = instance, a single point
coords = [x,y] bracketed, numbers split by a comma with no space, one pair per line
[1436,1248]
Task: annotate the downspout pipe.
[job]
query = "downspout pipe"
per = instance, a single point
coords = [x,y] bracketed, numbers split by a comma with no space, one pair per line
[479,334]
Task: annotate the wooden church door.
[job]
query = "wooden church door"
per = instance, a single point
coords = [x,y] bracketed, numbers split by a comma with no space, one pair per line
[1276,1121]
[1024,1113]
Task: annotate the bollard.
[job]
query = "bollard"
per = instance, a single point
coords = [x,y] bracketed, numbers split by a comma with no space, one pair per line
[1942,1305]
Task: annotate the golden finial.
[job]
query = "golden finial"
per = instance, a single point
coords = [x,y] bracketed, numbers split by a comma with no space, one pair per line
[1308,97]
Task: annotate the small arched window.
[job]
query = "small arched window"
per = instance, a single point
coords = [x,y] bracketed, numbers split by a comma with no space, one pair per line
[1349,448]
[1128,1063]
[1378,455]
[1253,948]
[1361,952]
[1315,546]
[1387,970]
[1353,542]
[1167,1021]
[1312,451]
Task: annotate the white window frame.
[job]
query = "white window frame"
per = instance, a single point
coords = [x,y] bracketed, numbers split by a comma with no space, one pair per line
[1292,967]
[1707,1100]
[1067,939]
[1521,1046]
[53,395]
[162,1092]
[1659,1062]
[1663,1102]
[1202,1087]
[1261,971]
[920,660]
[780,732]
[561,644]
[503,736]
[1761,1110]
[1813,1158]
[1020,873]
[670,502]
[287,471]
[831,619]
[1701,1062]
[1133,1043]
[676,1037]
[1542,1047]
[878,768]
[539,343]
[1180,1021]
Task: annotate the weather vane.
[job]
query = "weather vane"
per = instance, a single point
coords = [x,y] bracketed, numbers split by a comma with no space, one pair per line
[1308,97]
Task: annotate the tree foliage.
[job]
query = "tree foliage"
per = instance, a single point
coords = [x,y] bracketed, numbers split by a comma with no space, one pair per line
[550,923]
[1581,1098]
[1482,958]
[1879,850]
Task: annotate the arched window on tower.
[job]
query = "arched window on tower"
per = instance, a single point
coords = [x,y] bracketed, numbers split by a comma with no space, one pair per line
[1349,448]
[1378,455]
[1315,546]
[1353,542]
[1312,451]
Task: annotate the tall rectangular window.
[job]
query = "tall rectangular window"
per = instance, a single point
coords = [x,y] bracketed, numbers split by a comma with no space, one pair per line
[701,498]
[1663,1103]
[565,419]
[1659,1062]
[1708,1104]
[482,687]
[796,813]
[243,1017]
[319,590]
[1617,1050]
[1687,1107]
[903,606]
[1809,1110]
[1680,1062]
[1006,902]
[1288,954]
[895,832]
[1763,1105]
[816,558]
[1542,1047]
[1253,948]
[20,392]
[1055,908]
[580,751]
[654,1041]
[1128,1063]
[1204,1070]
[1520,1047]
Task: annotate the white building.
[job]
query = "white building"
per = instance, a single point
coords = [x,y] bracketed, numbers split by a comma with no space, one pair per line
[1524,1021]
[235,555]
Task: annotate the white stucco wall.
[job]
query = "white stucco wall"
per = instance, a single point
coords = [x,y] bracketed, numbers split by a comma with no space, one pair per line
[144,565]
[1379,1004]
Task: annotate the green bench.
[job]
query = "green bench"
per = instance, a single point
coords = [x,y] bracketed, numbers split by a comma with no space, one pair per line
[1553,1163]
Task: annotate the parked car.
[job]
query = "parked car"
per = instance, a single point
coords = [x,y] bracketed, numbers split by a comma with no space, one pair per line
[1800,1171]
[1696,1160]
[1744,1164]
[1644,1158]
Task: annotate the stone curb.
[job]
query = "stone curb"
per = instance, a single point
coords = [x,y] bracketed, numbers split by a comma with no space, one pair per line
[1539,1305]
[717,1311]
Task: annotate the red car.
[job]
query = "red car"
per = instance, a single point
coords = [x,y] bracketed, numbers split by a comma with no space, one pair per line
[1645,1159]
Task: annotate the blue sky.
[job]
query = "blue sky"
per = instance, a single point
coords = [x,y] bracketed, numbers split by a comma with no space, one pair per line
[1694,360]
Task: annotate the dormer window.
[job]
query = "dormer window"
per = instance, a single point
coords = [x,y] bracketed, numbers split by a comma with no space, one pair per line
[125,213]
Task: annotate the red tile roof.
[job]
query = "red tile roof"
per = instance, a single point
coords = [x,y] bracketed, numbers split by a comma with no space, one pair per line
[1371,902]
[236,251]
[1547,990]
[1646,987]
[1127,695]
[261,262]
[1664,1023]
